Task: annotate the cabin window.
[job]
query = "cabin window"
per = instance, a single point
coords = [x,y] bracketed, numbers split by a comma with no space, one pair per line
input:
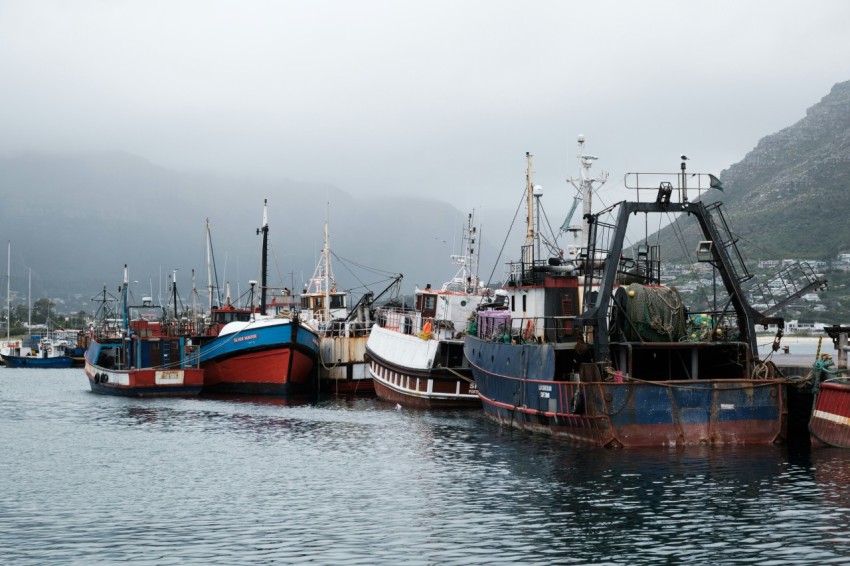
[524,303]
[513,303]
[429,305]
[337,301]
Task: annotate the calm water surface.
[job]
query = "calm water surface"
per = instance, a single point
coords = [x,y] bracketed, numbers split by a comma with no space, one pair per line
[88,479]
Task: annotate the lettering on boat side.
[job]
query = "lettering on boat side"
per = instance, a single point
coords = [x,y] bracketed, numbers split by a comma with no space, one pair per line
[545,391]
[726,406]
[169,377]
[246,337]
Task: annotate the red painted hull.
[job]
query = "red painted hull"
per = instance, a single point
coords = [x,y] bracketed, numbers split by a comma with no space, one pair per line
[830,422]
[144,382]
[277,371]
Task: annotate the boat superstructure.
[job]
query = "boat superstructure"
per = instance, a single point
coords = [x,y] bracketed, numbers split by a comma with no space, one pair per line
[416,354]
[592,346]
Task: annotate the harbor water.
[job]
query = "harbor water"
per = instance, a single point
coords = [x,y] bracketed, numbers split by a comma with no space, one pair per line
[88,479]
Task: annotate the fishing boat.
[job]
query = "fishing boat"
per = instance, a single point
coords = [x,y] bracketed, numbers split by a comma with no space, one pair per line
[342,331]
[829,424]
[255,353]
[591,347]
[137,352]
[52,350]
[416,355]
[14,347]
[44,352]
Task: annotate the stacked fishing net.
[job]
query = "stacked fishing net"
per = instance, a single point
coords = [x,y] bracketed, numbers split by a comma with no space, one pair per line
[656,314]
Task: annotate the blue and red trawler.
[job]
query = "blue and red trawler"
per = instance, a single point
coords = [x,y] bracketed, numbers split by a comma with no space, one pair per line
[137,353]
[591,347]
[254,353]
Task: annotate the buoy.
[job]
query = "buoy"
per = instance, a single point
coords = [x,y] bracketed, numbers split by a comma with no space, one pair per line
[631,293]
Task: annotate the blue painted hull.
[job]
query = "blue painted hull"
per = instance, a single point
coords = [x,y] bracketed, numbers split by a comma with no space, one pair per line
[36,362]
[273,358]
[519,387]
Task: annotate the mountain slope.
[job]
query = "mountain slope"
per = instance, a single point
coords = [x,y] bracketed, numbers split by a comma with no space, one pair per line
[76,220]
[789,197]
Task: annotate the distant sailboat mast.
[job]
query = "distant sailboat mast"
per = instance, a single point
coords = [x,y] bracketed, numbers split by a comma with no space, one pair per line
[8,291]
[29,300]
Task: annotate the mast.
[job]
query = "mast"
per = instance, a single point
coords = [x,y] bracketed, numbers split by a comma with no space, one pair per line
[9,290]
[529,205]
[29,300]
[264,259]
[469,260]
[124,296]
[585,187]
[209,268]
[327,258]
[174,292]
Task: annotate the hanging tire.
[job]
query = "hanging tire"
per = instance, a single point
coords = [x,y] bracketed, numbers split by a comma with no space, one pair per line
[97,378]
[104,378]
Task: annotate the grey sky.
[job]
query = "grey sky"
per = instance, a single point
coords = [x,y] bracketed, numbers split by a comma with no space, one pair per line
[438,98]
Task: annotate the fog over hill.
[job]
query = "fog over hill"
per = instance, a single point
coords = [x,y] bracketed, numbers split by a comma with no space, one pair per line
[75,220]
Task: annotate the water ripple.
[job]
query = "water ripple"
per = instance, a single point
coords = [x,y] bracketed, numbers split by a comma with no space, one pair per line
[92,479]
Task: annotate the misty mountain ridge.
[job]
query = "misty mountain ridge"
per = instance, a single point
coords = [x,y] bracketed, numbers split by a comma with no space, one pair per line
[77,219]
[787,198]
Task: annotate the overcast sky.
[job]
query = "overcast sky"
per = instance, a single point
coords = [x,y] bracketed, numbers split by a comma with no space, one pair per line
[435,98]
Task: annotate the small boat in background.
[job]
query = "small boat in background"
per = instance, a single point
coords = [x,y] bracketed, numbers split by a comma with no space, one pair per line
[142,355]
[416,356]
[76,343]
[43,352]
[829,424]
[255,353]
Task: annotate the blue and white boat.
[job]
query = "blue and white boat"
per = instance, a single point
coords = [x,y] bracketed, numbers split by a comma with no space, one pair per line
[44,352]
[256,353]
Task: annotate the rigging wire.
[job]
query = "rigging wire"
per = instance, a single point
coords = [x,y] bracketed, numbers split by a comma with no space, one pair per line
[510,229]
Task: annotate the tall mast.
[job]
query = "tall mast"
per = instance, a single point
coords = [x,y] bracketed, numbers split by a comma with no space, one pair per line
[327,257]
[584,185]
[529,195]
[264,259]
[29,300]
[124,296]
[209,269]
[468,261]
[174,292]
[8,290]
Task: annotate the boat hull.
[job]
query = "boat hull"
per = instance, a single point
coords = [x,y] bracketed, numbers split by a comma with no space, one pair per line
[830,420]
[37,362]
[405,369]
[184,382]
[275,357]
[629,413]
[142,367]
[342,366]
